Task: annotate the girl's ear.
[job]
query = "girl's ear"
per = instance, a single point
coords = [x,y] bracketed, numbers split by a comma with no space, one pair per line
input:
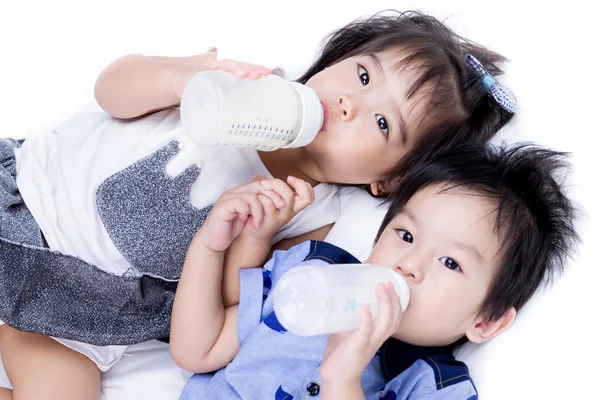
[380,188]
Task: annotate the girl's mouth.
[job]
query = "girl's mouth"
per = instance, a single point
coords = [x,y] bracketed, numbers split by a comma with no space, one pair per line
[325,116]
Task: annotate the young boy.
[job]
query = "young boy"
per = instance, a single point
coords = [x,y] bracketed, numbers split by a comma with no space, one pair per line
[473,243]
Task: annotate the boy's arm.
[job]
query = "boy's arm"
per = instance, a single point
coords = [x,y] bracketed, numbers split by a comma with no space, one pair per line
[255,253]
[253,247]
[203,331]
[244,252]
[317,234]
[136,85]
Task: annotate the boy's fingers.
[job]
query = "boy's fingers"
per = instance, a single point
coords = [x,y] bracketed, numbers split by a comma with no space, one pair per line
[268,206]
[281,188]
[256,209]
[238,208]
[305,195]
[395,305]
[385,313]
[277,200]
[365,329]
[256,188]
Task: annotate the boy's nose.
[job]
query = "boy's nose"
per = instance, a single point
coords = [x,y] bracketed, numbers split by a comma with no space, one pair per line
[410,269]
[347,107]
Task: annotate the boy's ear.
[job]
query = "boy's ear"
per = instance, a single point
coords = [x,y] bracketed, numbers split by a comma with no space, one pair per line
[483,330]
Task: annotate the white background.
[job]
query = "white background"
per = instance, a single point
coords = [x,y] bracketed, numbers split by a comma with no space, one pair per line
[52,51]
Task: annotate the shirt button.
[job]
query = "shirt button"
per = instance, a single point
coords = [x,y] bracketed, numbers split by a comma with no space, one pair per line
[313,389]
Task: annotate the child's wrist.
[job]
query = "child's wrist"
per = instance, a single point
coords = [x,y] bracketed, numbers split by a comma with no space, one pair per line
[186,67]
[199,242]
[179,76]
[255,242]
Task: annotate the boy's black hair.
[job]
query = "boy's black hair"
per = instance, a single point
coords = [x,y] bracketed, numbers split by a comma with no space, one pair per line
[458,108]
[535,219]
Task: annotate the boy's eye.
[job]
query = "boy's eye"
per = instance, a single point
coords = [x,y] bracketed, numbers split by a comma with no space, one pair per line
[363,75]
[405,235]
[383,125]
[450,263]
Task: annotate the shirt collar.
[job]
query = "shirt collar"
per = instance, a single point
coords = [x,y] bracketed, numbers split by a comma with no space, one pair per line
[396,356]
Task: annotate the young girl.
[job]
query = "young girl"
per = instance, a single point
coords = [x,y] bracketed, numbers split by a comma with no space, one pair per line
[120,200]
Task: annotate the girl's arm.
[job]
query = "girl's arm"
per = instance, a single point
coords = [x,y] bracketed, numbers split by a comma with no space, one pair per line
[136,85]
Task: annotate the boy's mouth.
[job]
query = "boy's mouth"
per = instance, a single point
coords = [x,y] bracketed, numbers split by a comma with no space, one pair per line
[325,116]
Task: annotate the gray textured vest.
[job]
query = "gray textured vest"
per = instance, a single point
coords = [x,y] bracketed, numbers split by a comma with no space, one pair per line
[149,218]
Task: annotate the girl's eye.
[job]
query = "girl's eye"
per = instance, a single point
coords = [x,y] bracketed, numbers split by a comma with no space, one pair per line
[383,125]
[363,75]
[450,263]
[405,235]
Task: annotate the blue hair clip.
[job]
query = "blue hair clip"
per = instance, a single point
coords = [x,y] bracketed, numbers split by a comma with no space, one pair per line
[502,95]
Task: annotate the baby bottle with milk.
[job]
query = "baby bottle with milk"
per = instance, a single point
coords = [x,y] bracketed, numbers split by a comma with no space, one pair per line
[221,109]
[321,299]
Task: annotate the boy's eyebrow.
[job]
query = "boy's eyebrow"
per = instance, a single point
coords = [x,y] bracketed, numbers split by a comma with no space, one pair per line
[410,216]
[463,246]
[468,248]
[401,124]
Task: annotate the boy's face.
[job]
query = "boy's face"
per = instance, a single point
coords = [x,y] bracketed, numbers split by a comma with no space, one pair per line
[445,247]
[369,124]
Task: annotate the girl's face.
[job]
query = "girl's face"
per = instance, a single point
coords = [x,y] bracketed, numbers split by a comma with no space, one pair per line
[369,125]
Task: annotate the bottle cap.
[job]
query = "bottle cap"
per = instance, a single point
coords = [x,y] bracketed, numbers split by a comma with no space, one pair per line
[312,116]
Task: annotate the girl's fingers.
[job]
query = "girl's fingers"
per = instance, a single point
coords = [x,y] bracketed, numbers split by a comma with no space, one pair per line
[239,68]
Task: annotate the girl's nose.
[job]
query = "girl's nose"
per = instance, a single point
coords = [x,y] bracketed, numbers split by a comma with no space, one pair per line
[347,107]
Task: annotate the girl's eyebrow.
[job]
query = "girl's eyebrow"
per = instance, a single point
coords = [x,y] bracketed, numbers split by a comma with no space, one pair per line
[376,61]
[399,117]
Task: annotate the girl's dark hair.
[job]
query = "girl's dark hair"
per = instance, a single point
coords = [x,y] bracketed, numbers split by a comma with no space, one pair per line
[458,108]
[535,220]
